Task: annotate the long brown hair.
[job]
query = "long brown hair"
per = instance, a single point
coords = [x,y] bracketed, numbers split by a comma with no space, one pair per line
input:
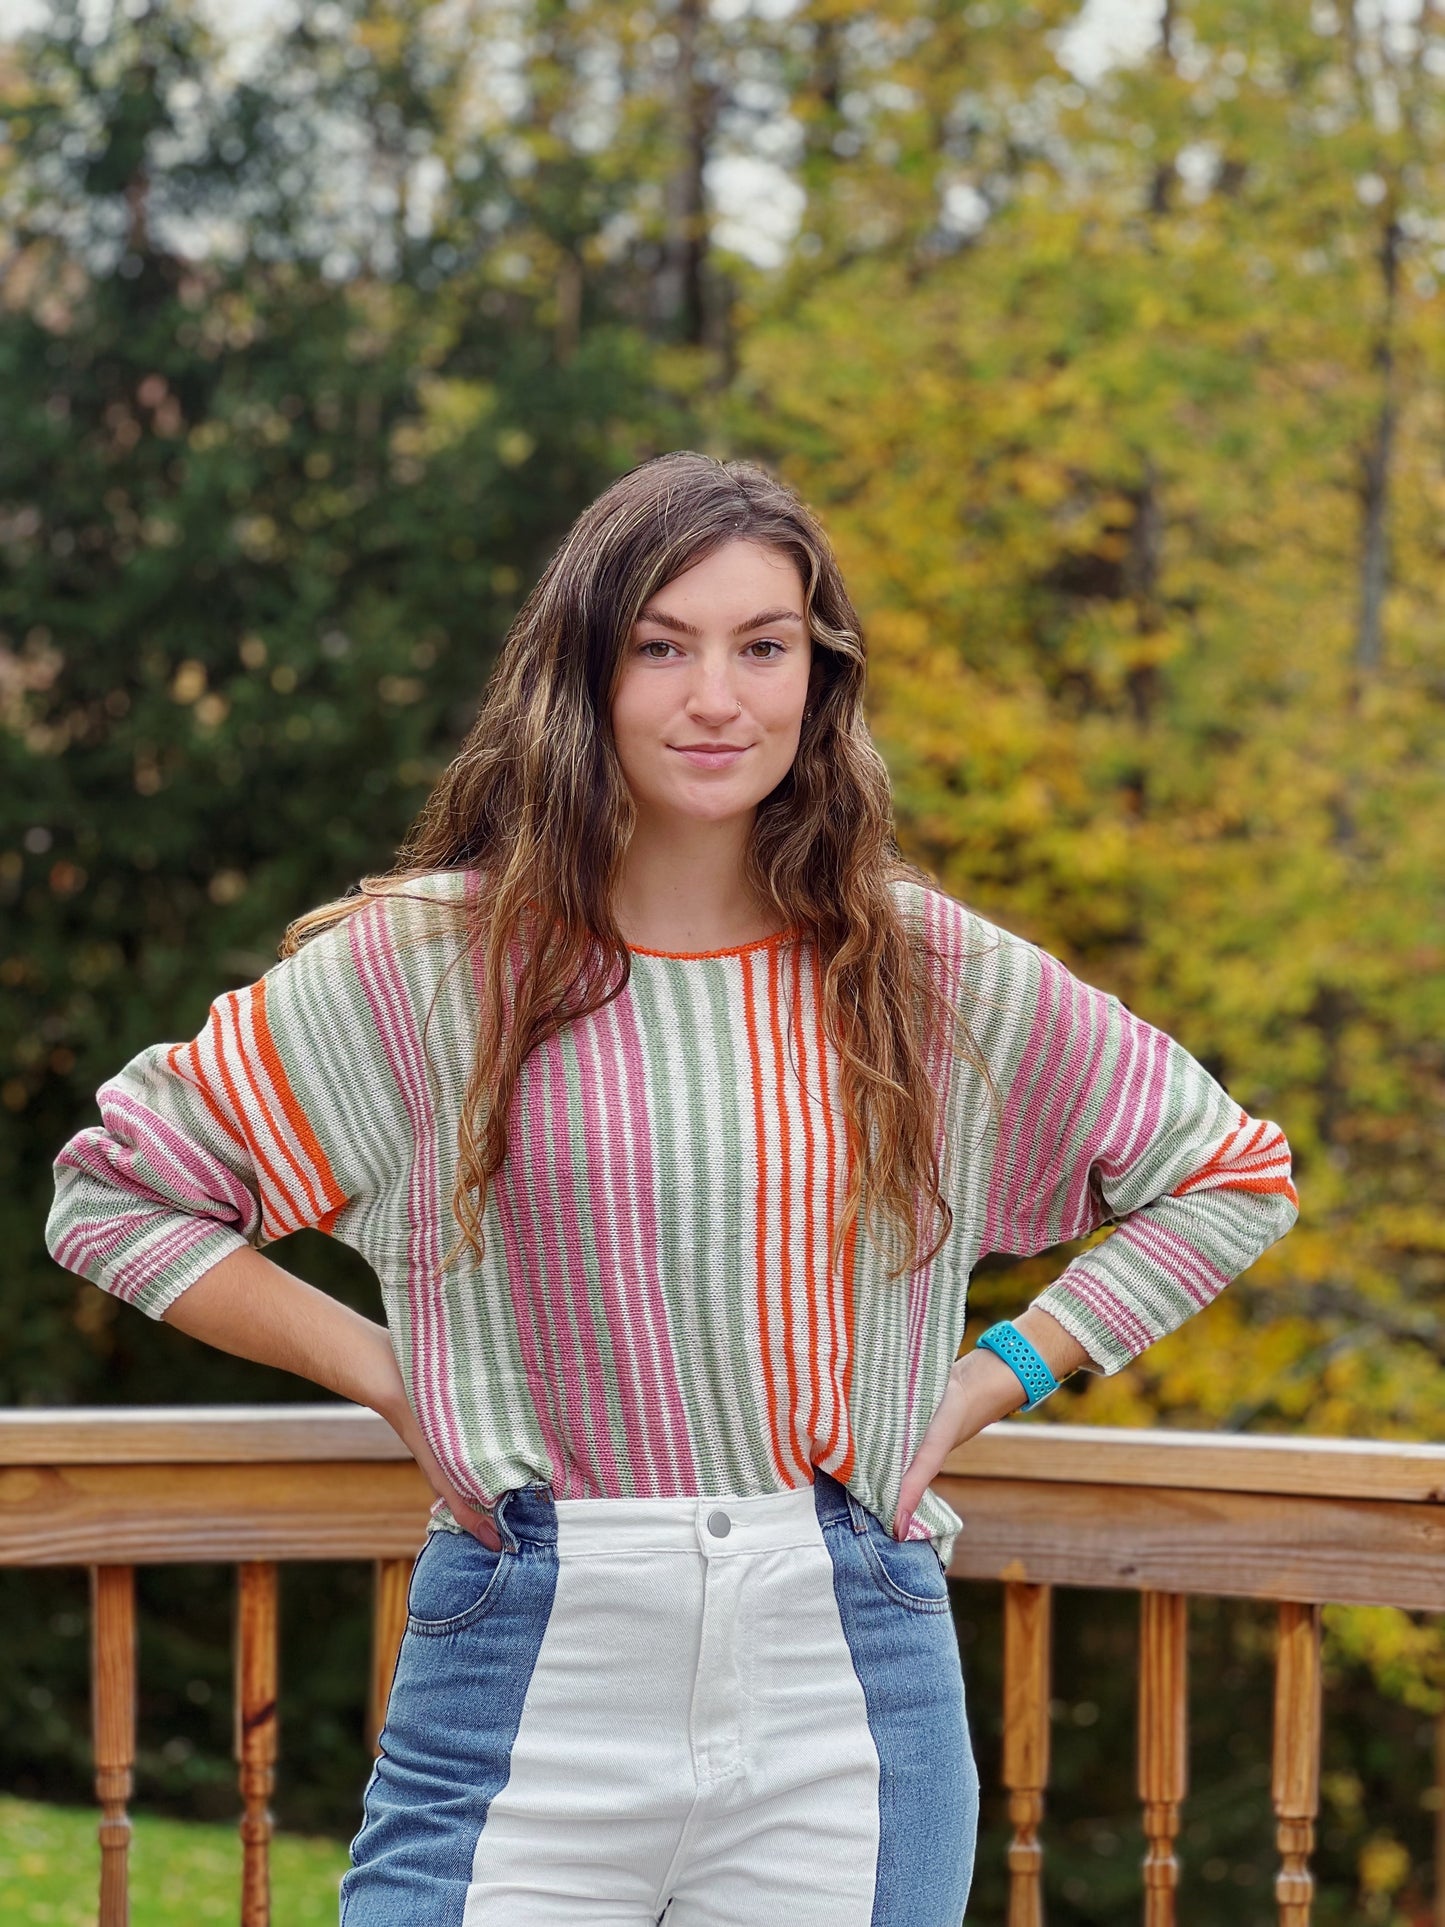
[535,800]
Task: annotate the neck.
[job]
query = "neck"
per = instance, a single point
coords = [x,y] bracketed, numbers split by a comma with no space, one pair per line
[683,887]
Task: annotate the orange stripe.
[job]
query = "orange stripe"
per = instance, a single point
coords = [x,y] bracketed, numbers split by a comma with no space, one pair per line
[769,1389]
[733,950]
[1231,1154]
[251,1058]
[195,1076]
[259,1158]
[841,1418]
[785,1200]
[845,1469]
[805,1106]
[332,1193]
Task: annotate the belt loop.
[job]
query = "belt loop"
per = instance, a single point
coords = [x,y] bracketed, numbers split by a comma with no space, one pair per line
[508,1537]
[856,1512]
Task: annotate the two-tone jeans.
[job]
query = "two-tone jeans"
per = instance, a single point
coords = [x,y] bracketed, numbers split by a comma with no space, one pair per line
[724,1712]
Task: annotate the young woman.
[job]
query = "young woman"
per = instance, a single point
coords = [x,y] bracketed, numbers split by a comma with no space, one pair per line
[673,1113]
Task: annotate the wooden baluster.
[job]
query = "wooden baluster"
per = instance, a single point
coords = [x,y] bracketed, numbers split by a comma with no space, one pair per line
[1163,1744]
[256,1734]
[112,1701]
[1026,1617]
[1297,1734]
[388,1623]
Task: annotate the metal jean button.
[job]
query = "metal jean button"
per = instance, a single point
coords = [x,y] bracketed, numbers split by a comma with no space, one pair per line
[719,1524]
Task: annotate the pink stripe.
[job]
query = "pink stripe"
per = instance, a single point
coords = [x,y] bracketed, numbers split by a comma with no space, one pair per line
[1058,1168]
[381,978]
[607,1200]
[130,1279]
[529,1261]
[1101,1148]
[112,1162]
[97,1238]
[620,1193]
[1001,1228]
[523,1258]
[621,1015]
[201,1178]
[1184,1262]
[1147,1087]
[1135,1091]
[1109,1309]
[550,1381]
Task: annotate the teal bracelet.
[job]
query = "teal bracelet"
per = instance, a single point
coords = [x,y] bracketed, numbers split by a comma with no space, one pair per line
[1007,1342]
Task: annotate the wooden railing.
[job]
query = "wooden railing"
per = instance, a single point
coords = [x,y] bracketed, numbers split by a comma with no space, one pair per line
[1165,1514]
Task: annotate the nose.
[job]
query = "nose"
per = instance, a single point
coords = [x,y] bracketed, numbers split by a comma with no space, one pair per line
[711,698]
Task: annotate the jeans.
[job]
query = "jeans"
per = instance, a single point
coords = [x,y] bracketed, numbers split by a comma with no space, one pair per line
[726,1712]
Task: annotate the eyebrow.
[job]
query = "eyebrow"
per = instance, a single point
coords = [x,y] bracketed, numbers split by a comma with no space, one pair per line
[665,621]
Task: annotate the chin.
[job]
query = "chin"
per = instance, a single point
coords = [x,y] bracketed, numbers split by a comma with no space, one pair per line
[708,804]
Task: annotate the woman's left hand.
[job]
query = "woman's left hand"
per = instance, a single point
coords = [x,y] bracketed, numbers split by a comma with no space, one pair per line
[981,1389]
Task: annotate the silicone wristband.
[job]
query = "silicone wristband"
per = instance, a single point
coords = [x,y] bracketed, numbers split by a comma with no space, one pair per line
[1007,1342]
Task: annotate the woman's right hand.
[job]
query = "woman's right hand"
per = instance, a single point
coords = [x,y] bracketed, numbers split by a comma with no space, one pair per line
[402,1421]
[249,1306]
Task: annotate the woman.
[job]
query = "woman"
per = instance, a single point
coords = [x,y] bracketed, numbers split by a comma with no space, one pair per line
[673,1114]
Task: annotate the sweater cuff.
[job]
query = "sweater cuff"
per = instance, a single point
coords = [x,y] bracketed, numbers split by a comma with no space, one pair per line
[152,1280]
[1090,1310]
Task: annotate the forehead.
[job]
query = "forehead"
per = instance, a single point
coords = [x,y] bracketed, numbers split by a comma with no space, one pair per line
[737,571]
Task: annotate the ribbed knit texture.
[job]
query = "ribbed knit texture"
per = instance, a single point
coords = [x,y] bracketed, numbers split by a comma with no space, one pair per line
[654,1314]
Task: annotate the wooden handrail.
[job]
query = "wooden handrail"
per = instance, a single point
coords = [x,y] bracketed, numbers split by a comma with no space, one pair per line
[1301,1522]
[1051,1454]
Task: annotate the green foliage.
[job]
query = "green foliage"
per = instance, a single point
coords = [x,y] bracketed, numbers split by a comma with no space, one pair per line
[1122,400]
[181,1873]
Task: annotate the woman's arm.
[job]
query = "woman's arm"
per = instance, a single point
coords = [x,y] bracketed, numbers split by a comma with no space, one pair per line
[981,1389]
[1102,1117]
[281,1113]
[251,1307]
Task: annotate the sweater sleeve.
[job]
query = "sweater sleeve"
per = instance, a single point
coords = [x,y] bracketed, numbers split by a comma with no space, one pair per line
[237,1137]
[1104,1117]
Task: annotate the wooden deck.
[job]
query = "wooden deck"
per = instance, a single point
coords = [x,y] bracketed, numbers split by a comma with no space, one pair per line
[1302,1522]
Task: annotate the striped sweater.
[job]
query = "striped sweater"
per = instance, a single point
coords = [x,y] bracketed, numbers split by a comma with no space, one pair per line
[654,1314]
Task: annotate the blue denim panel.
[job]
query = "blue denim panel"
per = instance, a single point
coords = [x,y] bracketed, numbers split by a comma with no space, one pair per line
[893,1601]
[475,1620]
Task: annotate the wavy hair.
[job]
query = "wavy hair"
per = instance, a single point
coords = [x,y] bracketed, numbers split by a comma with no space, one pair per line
[536,802]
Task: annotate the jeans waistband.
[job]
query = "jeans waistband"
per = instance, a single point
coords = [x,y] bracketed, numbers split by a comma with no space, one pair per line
[754,1521]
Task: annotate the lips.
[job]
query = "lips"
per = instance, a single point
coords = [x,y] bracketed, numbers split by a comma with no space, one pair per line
[711,755]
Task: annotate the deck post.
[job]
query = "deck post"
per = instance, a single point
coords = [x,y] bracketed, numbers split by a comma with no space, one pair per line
[112,1689]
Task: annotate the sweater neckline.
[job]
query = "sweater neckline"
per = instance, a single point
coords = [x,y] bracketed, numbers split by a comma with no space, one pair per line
[731,950]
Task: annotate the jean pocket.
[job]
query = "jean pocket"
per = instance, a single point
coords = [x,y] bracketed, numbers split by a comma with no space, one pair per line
[908,1571]
[456,1581]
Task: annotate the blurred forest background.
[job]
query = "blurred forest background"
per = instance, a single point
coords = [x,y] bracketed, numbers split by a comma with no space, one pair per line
[1120,385]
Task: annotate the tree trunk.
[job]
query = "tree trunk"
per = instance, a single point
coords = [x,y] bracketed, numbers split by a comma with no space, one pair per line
[681,290]
[1375,485]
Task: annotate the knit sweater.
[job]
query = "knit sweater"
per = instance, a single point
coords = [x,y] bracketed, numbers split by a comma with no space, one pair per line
[653,1314]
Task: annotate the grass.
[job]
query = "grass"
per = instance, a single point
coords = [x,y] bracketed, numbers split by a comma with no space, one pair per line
[181,1874]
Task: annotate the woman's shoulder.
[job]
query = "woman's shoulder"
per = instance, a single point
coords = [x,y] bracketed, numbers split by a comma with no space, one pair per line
[382,920]
[964,945]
